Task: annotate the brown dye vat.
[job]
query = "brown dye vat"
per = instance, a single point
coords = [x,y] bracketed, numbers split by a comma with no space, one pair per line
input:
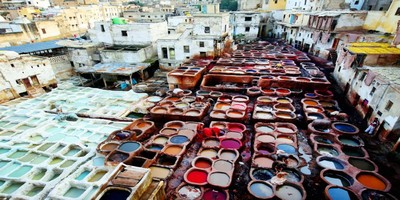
[234,114]
[222,106]
[265,148]
[284,107]
[223,165]
[314,109]
[285,115]
[138,162]
[193,112]
[240,98]
[166,103]
[176,111]
[168,131]
[263,161]
[284,139]
[264,100]
[173,150]
[159,110]
[168,161]
[174,124]
[217,82]
[173,99]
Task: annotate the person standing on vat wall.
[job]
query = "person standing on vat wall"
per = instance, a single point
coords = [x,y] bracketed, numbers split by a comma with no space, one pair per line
[371,128]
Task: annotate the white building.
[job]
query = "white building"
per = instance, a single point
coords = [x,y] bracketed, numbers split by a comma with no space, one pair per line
[145,16]
[207,39]
[21,74]
[142,34]
[246,24]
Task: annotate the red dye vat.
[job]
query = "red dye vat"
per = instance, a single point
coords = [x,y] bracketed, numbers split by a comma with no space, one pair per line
[214,195]
[230,144]
[235,128]
[197,176]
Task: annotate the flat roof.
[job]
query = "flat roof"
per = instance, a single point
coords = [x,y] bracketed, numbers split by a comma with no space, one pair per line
[371,48]
[124,69]
[33,47]
[390,73]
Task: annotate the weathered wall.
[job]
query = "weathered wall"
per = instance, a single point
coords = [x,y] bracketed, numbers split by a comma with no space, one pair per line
[127,56]
[350,22]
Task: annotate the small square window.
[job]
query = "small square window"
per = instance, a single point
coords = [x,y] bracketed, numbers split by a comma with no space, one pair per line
[207,29]
[201,44]
[389,105]
[186,49]
[203,54]
[12,65]
[102,28]
[247,29]
[124,33]
[364,74]
[247,19]
[43,31]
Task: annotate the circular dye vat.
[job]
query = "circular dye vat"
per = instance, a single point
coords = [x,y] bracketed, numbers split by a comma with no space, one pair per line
[287,148]
[262,161]
[314,116]
[176,111]
[230,143]
[288,192]
[220,179]
[265,148]
[265,129]
[362,164]
[345,127]
[107,147]
[211,142]
[261,190]
[314,109]
[196,176]
[283,100]
[330,163]
[285,115]
[264,99]
[337,193]
[189,192]
[155,147]
[327,151]
[353,151]
[236,127]
[154,99]
[375,195]
[284,139]
[263,174]
[178,139]
[235,135]
[129,146]
[168,131]
[265,138]
[310,102]
[215,194]
[115,193]
[210,153]
[323,140]
[371,181]
[284,129]
[173,150]
[223,165]
[227,154]
[160,140]
[204,163]
[122,135]
[118,157]
[174,124]
[192,113]
[338,178]
[292,175]
[350,141]
[264,115]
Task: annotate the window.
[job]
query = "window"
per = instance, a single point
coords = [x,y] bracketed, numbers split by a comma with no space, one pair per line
[397,12]
[43,31]
[164,52]
[275,1]
[186,49]
[124,33]
[203,54]
[381,8]
[201,44]
[379,113]
[372,91]
[356,2]
[12,65]
[369,7]
[29,2]
[362,76]
[389,105]
[247,29]
[207,29]
[37,65]
[172,53]
[247,19]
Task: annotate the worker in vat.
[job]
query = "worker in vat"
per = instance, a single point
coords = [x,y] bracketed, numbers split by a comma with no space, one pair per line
[371,128]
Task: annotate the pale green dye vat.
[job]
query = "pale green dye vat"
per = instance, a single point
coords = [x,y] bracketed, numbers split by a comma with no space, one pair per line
[20,172]
[74,192]
[29,157]
[17,154]
[39,175]
[34,191]
[39,159]
[12,188]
